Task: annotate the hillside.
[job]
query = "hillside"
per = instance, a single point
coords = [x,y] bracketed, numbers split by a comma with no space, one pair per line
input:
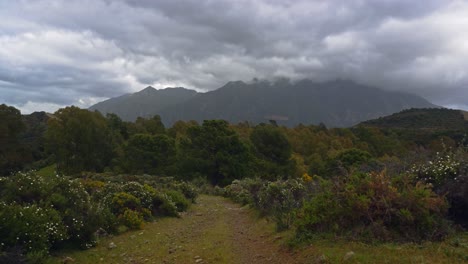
[145,103]
[336,103]
[426,118]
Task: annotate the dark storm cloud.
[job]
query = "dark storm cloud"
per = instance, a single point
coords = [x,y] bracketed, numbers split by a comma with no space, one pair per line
[61,52]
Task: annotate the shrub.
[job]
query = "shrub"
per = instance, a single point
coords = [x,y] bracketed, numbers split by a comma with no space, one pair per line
[164,206]
[238,192]
[67,197]
[280,199]
[122,201]
[144,193]
[374,206]
[131,219]
[444,167]
[178,199]
[188,190]
[31,228]
[447,171]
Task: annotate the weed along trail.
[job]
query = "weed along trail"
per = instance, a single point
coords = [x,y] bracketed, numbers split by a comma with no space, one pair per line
[215,230]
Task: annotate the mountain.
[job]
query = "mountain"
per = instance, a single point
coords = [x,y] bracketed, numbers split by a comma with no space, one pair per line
[145,103]
[335,103]
[431,119]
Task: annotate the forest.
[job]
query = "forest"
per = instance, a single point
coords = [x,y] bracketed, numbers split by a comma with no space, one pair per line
[70,177]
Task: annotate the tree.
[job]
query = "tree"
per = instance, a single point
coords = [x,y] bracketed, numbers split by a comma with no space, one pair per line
[152,125]
[11,125]
[215,151]
[273,150]
[80,140]
[153,154]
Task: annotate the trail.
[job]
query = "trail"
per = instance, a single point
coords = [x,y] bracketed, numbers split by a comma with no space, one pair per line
[214,230]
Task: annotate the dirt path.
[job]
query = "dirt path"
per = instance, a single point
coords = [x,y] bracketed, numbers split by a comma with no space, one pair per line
[229,233]
[215,230]
[248,237]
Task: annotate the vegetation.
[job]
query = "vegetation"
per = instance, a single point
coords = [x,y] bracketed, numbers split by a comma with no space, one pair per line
[429,118]
[40,213]
[101,175]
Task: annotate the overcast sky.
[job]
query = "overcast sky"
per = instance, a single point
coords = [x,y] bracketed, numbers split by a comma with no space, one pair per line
[61,52]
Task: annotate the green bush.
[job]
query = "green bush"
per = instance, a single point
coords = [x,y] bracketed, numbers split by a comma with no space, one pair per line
[67,197]
[281,199]
[42,212]
[188,190]
[179,200]
[374,206]
[123,201]
[131,219]
[278,200]
[164,206]
[31,228]
[238,192]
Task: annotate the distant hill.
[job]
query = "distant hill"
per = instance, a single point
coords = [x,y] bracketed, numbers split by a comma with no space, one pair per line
[426,118]
[145,103]
[336,103]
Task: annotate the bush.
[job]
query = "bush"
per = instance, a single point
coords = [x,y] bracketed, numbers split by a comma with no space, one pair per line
[67,197]
[43,212]
[447,171]
[188,190]
[131,219]
[123,201]
[31,228]
[178,199]
[374,206]
[164,206]
[280,199]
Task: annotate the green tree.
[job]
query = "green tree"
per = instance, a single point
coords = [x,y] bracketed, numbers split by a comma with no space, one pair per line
[273,150]
[153,154]
[80,140]
[215,151]
[152,125]
[11,153]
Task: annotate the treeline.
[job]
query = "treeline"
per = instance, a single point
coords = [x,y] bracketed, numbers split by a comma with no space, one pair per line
[79,140]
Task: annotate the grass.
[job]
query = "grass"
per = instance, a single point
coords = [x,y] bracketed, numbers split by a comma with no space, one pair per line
[429,252]
[47,171]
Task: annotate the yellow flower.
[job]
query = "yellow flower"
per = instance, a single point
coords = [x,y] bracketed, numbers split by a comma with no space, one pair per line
[306,177]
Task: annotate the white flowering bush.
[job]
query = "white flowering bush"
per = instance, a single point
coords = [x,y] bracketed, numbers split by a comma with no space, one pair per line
[442,168]
[32,228]
[64,199]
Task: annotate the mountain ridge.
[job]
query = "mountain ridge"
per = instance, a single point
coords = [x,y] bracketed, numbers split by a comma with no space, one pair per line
[422,118]
[336,103]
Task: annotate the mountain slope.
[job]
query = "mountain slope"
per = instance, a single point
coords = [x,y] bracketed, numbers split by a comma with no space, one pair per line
[335,103]
[145,103]
[427,119]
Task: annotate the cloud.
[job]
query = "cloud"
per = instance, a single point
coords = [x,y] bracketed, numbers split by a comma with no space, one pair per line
[56,53]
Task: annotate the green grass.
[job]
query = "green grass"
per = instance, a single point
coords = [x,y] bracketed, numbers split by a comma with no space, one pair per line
[47,171]
[429,252]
